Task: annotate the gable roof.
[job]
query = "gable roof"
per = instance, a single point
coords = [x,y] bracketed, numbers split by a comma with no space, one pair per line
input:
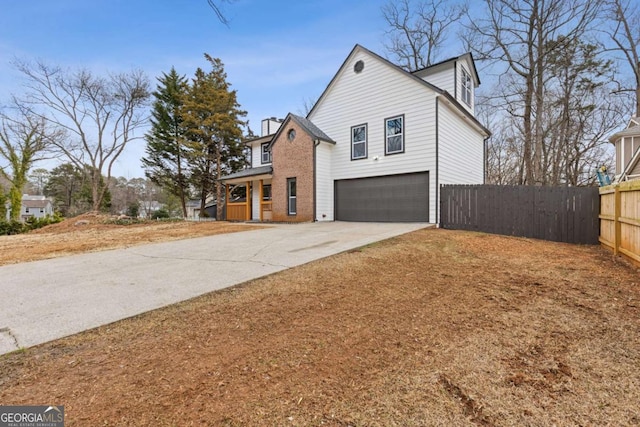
[43,203]
[632,164]
[245,173]
[468,56]
[260,139]
[357,48]
[314,131]
[632,129]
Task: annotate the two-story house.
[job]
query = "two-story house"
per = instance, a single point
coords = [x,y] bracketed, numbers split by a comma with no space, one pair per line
[627,144]
[33,207]
[375,147]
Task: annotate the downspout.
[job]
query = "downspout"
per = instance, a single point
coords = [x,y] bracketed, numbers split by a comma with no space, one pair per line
[486,159]
[455,80]
[315,213]
[437,166]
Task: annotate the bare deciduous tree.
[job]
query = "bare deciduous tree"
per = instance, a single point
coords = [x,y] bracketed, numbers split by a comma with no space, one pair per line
[99,115]
[217,8]
[520,36]
[624,17]
[418,29]
[24,140]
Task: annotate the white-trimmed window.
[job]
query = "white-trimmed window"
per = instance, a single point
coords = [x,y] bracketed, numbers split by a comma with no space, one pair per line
[359,142]
[291,196]
[266,154]
[394,135]
[467,87]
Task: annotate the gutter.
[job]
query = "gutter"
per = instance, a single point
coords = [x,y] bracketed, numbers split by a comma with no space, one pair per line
[315,165]
[437,221]
[486,159]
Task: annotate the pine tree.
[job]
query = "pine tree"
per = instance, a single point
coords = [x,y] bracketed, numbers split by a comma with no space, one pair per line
[165,161]
[213,117]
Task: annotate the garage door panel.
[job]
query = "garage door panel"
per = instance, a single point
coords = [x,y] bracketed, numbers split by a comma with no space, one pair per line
[391,198]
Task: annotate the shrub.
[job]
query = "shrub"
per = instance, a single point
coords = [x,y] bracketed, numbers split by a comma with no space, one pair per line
[133,210]
[8,228]
[32,223]
[160,214]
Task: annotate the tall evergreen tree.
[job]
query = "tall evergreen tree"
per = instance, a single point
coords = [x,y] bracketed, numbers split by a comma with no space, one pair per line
[213,117]
[164,163]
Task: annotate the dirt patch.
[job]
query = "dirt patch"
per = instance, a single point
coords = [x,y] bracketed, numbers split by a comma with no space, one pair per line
[431,328]
[91,232]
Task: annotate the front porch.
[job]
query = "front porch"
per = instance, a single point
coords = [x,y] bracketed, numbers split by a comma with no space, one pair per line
[248,195]
[241,205]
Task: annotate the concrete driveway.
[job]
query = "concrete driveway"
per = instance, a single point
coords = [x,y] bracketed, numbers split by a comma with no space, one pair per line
[45,300]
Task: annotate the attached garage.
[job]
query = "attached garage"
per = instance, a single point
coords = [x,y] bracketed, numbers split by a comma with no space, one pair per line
[390,198]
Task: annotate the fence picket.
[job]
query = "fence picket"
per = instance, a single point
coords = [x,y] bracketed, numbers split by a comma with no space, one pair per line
[561,214]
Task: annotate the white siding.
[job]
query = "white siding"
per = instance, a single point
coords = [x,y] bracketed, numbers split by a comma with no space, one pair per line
[255,200]
[255,155]
[460,148]
[443,79]
[377,93]
[324,183]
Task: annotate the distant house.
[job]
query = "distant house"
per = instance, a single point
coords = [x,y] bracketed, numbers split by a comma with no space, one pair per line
[148,208]
[33,207]
[193,208]
[627,143]
[376,146]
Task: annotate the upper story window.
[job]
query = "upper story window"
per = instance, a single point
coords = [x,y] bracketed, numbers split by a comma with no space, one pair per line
[266,154]
[359,142]
[467,87]
[394,135]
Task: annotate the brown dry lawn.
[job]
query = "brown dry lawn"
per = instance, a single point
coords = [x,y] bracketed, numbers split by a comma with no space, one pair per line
[434,328]
[90,232]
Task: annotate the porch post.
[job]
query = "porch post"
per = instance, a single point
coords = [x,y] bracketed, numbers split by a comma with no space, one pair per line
[248,207]
[261,196]
[226,200]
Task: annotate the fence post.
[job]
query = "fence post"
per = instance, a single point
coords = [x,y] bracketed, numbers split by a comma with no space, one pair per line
[617,209]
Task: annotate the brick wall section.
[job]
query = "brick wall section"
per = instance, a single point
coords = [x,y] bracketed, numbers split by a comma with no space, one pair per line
[292,159]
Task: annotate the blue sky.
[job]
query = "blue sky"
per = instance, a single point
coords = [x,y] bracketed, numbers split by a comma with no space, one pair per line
[277,54]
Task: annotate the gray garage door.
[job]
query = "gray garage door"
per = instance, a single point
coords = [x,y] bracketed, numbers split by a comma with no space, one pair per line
[391,198]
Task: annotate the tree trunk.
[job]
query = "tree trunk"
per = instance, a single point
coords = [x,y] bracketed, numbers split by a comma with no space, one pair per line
[181,183]
[638,89]
[219,184]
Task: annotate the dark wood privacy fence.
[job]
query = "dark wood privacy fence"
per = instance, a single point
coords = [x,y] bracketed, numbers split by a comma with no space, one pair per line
[560,214]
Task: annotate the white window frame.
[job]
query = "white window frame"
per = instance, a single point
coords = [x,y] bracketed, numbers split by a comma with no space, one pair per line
[467,87]
[263,152]
[363,142]
[387,136]
[292,197]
